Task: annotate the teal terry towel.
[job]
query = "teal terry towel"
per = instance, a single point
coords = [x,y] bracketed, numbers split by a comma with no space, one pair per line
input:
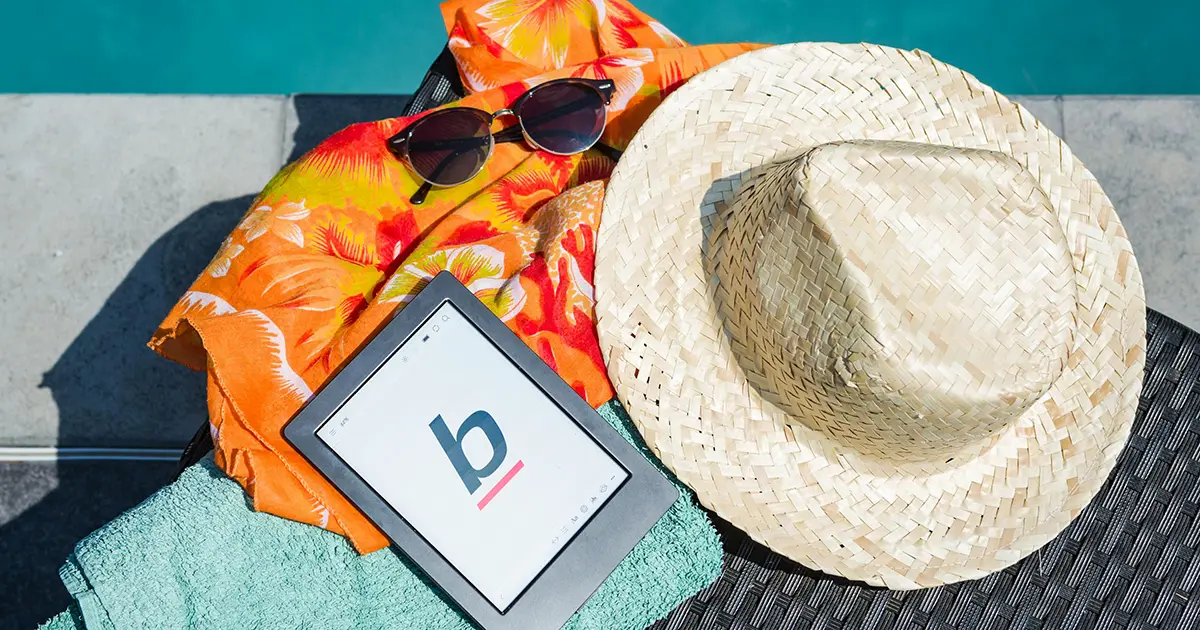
[69,619]
[195,555]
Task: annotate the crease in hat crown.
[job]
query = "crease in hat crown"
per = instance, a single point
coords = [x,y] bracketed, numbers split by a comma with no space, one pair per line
[908,300]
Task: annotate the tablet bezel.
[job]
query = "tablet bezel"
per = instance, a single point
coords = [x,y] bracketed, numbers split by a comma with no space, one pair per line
[571,577]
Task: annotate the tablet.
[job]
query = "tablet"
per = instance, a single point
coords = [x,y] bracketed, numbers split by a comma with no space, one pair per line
[480,464]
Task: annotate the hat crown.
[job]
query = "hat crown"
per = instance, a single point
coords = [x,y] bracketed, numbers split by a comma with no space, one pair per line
[906,299]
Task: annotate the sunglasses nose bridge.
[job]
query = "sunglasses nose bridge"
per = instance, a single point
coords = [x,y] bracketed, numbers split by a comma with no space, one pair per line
[502,112]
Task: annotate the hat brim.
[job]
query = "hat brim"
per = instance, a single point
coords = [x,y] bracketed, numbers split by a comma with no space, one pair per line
[896,524]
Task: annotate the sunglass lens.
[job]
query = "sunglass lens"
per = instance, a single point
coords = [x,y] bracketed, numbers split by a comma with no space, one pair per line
[563,118]
[449,147]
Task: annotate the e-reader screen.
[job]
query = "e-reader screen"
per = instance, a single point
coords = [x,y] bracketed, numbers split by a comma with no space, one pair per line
[474,455]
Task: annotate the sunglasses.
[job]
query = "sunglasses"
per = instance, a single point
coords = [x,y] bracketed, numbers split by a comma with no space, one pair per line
[450,146]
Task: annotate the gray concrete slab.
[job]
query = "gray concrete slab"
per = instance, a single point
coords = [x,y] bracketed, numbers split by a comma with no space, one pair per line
[45,509]
[1048,110]
[1146,154]
[111,206]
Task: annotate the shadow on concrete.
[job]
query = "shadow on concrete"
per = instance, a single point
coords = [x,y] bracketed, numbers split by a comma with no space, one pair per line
[108,375]
[107,372]
[35,544]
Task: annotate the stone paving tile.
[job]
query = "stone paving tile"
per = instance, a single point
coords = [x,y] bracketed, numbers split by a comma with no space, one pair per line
[45,509]
[1146,154]
[112,205]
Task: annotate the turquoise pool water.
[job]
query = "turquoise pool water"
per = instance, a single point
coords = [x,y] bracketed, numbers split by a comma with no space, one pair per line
[384,46]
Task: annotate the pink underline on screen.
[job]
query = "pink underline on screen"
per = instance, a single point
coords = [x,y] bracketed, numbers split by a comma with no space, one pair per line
[487,498]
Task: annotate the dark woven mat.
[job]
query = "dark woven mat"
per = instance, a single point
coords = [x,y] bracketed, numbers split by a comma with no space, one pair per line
[1127,561]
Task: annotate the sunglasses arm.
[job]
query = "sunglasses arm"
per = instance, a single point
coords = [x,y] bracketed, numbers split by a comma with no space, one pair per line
[418,197]
[402,146]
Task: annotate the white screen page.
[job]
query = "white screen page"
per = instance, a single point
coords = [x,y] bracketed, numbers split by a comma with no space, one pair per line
[473,455]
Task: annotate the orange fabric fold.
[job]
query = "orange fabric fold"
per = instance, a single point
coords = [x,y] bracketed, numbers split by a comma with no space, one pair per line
[332,247]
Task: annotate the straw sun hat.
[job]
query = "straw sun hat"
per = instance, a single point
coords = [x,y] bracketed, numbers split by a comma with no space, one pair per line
[874,313]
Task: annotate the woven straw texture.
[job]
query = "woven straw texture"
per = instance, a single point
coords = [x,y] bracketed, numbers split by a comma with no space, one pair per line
[832,473]
[818,263]
[1129,560]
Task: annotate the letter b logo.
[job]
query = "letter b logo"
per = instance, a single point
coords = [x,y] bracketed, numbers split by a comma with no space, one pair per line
[452,444]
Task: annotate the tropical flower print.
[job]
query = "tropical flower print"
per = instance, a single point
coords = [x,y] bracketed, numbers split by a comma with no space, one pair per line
[530,184]
[669,38]
[332,248]
[224,259]
[504,41]
[479,267]
[593,166]
[197,302]
[270,337]
[565,224]
[283,223]
[539,31]
[479,61]
[348,256]
[627,28]
[623,69]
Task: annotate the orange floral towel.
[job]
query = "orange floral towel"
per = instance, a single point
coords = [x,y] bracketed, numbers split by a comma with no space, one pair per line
[332,247]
